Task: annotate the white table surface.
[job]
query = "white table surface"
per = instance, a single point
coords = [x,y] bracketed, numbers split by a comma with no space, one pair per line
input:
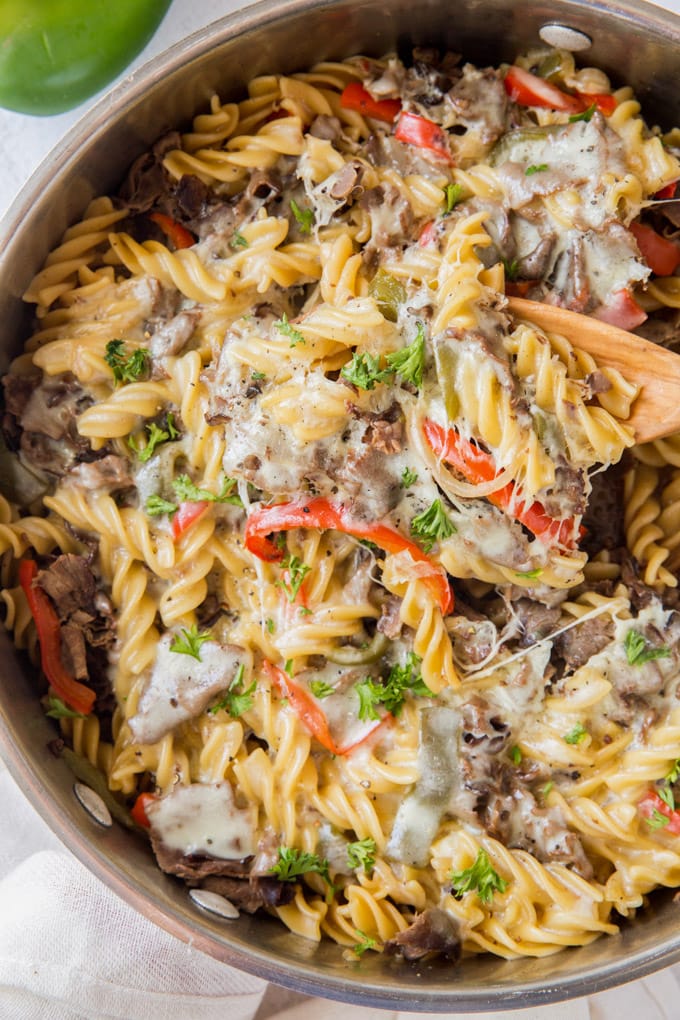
[24,143]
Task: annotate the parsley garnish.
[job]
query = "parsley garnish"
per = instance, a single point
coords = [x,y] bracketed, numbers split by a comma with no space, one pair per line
[667,796]
[367,942]
[638,651]
[288,667]
[297,571]
[547,788]
[258,376]
[657,820]
[516,754]
[361,854]
[188,642]
[409,362]
[535,168]
[235,701]
[238,241]
[481,877]
[320,689]
[59,710]
[156,505]
[452,195]
[156,436]
[284,327]
[576,734]
[125,368]
[673,773]
[363,371]
[408,478]
[529,574]
[305,217]
[586,115]
[392,692]
[269,624]
[186,490]
[293,863]
[511,268]
[432,525]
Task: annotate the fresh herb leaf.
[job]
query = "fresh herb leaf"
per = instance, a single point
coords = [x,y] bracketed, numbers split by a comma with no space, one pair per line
[667,796]
[284,327]
[269,624]
[305,217]
[361,854]
[673,773]
[320,689]
[156,505]
[409,362]
[638,651]
[186,490]
[432,525]
[657,820]
[235,701]
[126,368]
[408,478]
[547,788]
[297,571]
[392,691]
[366,942]
[238,241]
[363,371]
[288,667]
[511,268]
[370,694]
[535,168]
[303,611]
[529,574]
[516,754]
[258,376]
[586,115]
[59,710]
[188,642]
[292,864]
[481,876]
[156,436]
[452,196]
[576,734]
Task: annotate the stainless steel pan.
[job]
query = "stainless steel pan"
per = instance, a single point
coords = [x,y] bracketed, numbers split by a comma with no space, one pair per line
[631,41]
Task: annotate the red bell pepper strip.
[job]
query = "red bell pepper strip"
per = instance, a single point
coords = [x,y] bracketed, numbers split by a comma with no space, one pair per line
[661,255]
[478,466]
[138,811]
[668,191]
[174,231]
[424,134]
[356,97]
[651,803]
[428,235]
[604,101]
[74,694]
[321,513]
[529,90]
[187,514]
[622,310]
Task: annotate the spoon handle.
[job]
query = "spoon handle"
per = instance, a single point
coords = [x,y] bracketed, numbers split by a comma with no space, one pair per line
[656,410]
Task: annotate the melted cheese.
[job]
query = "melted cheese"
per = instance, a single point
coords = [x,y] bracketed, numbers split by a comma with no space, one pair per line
[200,819]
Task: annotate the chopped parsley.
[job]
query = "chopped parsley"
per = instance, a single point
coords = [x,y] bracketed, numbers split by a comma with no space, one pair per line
[269,624]
[188,642]
[480,877]
[638,651]
[673,773]
[320,689]
[361,854]
[156,436]
[156,505]
[576,734]
[586,115]
[535,168]
[408,478]
[530,575]
[432,525]
[258,376]
[391,692]
[547,788]
[366,942]
[235,701]
[409,362]
[656,820]
[285,328]
[292,864]
[126,368]
[238,241]
[452,196]
[304,217]
[511,268]
[297,571]
[667,796]
[59,710]
[186,490]
[364,371]
[516,754]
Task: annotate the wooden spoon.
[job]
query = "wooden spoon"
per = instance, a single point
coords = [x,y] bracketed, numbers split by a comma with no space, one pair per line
[656,410]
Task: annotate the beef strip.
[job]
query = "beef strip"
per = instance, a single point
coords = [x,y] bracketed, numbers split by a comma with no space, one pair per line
[536,620]
[148,184]
[603,519]
[434,932]
[384,429]
[567,497]
[110,472]
[482,726]
[250,895]
[70,584]
[390,623]
[172,336]
[578,644]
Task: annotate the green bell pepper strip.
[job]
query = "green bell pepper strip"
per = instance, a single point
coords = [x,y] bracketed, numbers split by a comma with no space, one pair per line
[56,53]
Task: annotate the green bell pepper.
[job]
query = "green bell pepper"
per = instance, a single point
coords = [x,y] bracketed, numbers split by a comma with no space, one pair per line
[56,53]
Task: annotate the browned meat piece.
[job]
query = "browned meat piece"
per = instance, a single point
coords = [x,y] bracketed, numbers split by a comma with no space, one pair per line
[250,895]
[390,623]
[481,725]
[384,429]
[195,867]
[148,182]
[569,278]
[536,620]
[434,932]
[579,643]
[171,337]
[18,389]
[326,127]
[480,103]
[192,196]
[603,518]
[70,584]
[109,472]
[347,181]
[391,214]
[663,328]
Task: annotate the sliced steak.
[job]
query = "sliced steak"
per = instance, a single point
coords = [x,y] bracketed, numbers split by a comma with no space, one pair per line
[251,894]
[433,933]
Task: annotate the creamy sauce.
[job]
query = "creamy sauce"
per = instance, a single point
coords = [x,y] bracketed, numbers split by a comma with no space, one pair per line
[200,819]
